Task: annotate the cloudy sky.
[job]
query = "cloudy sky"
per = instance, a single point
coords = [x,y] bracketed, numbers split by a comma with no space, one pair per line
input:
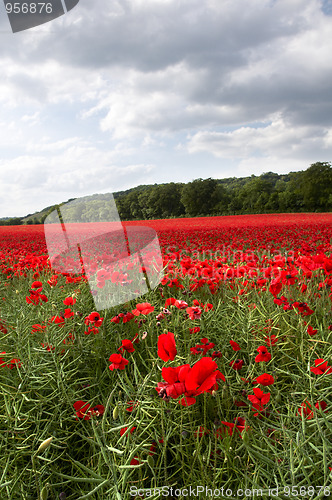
[118,93]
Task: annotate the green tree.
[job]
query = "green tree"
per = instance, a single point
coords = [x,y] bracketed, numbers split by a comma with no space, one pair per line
[315,185]
[198,197]
[223,197]
[256,194]
[169,200]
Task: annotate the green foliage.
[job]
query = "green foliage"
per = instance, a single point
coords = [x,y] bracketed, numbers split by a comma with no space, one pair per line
[315,186]
[309,190]
[199,197]
[89,458]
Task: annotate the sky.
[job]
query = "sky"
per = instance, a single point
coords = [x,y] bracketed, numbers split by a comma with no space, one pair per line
[119,93]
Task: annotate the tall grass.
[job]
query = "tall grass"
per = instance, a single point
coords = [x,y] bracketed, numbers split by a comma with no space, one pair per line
[90,459]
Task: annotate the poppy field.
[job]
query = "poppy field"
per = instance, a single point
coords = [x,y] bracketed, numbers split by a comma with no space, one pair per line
[220,378]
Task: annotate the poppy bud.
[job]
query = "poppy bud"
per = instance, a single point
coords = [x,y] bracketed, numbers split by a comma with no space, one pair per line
[245,437]
[44,493]
[150,461]
[278,398]
[115,413]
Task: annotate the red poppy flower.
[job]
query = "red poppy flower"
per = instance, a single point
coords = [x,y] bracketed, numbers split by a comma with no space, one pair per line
[202,348]
[174,385]
[123,430]
[69,301]
[92,329]
[153,447]
[49,348]
[94,318]
[321,405]
[116,319]
[38,285]
[311,331]
[265,379]
[37,328]
[3,329]
[305,410]
[275,287]
[235,346]
[170,301]
[289,277]
[180,304]
[2,362]
[216,354]
[238,425]
[194,312]
[201,432]
[259,397]
[127,345]
[68,313]
[263,355]
[240,403]
[118,362]
[53,281]
[202,376]
[196,329]
[14,363]
[135,339]
[272,340]
[143,308]
[303,308]
[127,317]
[321,367]
[84,411]
[166,346]
[131,407]
[57,320]
[237,364]
[36,296]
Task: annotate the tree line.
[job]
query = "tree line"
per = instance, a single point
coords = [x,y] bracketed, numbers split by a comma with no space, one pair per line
[304,191]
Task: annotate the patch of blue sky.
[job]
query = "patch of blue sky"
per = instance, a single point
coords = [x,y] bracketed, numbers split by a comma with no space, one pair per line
[327,7]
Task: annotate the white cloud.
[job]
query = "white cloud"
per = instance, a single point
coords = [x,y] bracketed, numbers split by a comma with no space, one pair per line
[274,140]
[107,94]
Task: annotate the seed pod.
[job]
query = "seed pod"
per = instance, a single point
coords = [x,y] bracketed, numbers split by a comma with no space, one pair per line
[45,444]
